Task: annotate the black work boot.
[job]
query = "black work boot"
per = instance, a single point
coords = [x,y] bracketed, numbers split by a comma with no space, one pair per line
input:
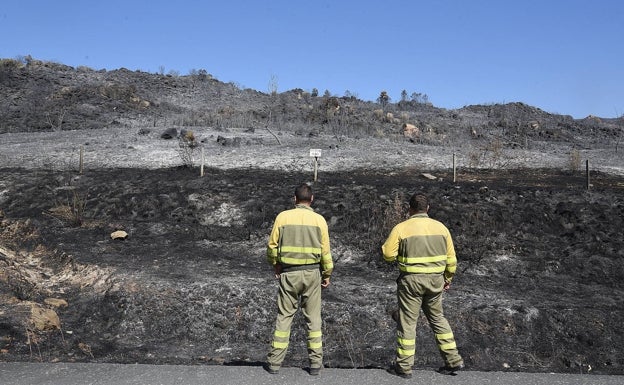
[451,370]
[270,369]
[396,371]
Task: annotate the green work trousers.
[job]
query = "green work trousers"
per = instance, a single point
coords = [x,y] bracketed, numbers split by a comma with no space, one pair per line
[422,291]
[302,286]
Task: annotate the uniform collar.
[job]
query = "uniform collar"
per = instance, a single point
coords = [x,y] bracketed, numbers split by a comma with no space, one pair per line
[420,215]
[302,206]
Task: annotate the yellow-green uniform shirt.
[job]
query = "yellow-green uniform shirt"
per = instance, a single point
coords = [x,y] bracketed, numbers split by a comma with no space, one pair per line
[421,245]
[300,237]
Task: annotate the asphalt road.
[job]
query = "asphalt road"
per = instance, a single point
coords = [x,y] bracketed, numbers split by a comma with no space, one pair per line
[19,373]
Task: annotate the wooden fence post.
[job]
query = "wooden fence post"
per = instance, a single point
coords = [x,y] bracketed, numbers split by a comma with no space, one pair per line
[454,170]
[315,168]
[81,162]
[587,172]
[201,168]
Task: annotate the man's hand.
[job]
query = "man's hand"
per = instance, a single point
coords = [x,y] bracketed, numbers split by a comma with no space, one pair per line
[447,285]
[325,282]
[278,270]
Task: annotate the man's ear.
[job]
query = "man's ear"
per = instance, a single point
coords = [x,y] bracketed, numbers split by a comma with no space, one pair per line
[311,198]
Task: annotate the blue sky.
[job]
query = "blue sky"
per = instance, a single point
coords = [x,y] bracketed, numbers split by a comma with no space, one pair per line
[563,56]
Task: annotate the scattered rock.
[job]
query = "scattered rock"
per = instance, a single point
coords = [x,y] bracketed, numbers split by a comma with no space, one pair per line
[119,234]
[233,142]
[410,131]
[170,133]
[42,319]
[55,302]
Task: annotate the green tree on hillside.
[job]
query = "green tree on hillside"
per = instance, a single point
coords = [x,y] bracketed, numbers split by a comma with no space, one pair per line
[383,99]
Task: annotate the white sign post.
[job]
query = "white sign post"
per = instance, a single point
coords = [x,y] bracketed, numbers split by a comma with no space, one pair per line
[316,153]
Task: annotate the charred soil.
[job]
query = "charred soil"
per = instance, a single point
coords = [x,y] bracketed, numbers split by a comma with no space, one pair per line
[539,285]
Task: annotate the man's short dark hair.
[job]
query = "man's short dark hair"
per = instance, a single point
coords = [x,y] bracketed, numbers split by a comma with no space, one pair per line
[303,193]
[419,203]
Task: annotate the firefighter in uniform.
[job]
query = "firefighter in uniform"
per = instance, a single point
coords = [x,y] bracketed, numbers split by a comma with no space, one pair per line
[426,258]
[298,250]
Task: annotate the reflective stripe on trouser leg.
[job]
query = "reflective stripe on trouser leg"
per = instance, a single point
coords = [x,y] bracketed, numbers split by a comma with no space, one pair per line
[446,342]
[315,340]
[432,307]
[279,347]
[311,309]
[406,347]
[315,348]
[448,349]
[287,304]
[409,309]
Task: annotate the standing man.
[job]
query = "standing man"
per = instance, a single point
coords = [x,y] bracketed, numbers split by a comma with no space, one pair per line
[299,252]
[425,254]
